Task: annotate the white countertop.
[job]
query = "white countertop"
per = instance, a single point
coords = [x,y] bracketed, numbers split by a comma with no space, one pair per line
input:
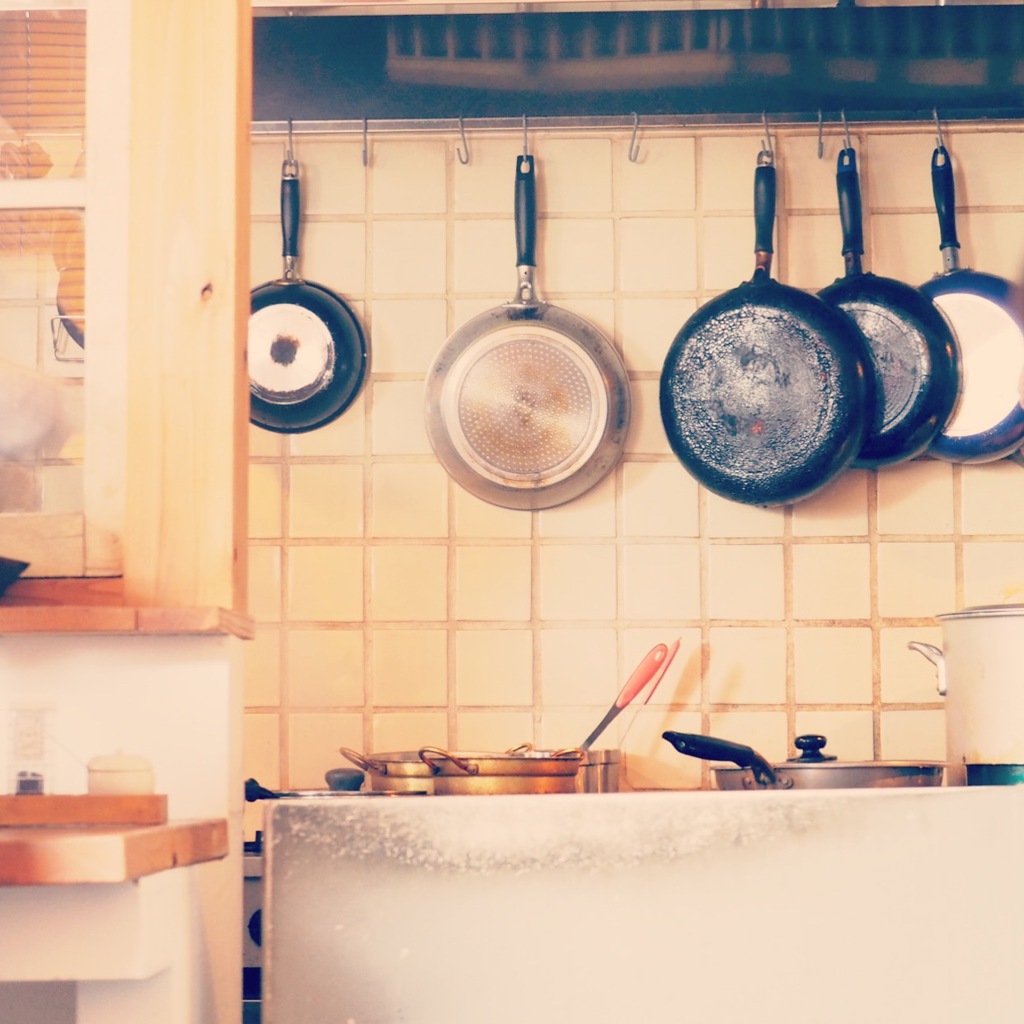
[848,905]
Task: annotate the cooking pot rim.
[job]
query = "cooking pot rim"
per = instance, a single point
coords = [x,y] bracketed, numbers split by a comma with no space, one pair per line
[987,611]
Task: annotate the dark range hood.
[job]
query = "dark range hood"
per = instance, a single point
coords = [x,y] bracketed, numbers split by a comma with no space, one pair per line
[871,61]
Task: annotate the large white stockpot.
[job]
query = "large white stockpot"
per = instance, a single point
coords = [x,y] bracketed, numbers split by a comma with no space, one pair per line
[981,675]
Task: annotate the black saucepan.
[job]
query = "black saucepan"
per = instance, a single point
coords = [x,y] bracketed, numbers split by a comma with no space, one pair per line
[985,311]
[764,391]
[527,405]
[914,353]
[307,352]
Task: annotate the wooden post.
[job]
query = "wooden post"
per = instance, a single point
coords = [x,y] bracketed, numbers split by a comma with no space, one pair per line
[188,303]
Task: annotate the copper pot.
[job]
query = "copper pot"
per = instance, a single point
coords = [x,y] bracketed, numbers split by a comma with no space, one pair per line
[516,771]
[400,771]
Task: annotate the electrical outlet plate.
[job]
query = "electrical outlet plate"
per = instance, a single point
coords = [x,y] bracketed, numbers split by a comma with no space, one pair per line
[29,740]
[30,728]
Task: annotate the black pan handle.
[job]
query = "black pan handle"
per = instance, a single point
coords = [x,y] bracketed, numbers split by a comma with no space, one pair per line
[850,212]
[711,749]
[526,212]
[254,791]
[944,192]
[289,218]
[764,216]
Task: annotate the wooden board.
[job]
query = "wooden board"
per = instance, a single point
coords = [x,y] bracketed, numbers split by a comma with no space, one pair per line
[82,854]
[188,297]
[52,543]
[83,809]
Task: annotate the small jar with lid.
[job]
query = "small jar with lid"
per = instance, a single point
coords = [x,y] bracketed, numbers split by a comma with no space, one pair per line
[120,774]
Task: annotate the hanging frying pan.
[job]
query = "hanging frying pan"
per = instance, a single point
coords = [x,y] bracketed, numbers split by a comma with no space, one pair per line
[307,352]
[985,313]
[764,392]
[69,258]
[915,358]
[527,404]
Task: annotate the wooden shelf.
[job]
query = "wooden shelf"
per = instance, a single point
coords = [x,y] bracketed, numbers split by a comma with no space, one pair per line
[83,809]
[77,854]
[90,605]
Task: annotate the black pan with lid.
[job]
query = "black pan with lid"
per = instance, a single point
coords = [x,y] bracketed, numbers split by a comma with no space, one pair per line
[812,769]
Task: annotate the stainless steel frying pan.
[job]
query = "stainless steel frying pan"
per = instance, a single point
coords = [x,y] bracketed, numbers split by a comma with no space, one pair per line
[527,404]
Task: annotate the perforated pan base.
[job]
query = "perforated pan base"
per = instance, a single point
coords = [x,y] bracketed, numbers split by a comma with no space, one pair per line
[524,414]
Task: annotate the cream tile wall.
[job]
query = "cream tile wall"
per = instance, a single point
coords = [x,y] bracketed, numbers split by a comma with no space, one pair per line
[39,471]
[394,610]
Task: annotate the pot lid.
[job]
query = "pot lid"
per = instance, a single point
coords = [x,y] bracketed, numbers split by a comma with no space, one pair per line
[812,756]
[119,763]
[836,766]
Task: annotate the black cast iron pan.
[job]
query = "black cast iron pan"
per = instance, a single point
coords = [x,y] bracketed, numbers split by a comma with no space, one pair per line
[985,311]
[307,352]
[764,391]
[527,404]
[915,359]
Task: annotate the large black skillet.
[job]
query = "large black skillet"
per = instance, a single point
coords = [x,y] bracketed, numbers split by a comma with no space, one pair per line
[915,358]
[307,352]
[764,391]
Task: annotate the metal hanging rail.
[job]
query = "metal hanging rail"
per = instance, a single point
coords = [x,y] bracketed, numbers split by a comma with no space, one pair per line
[632,122]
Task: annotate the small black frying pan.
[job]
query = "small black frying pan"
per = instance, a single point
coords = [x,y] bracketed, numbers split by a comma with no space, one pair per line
[764,391]
[69,259]
[914,353]
[307,352]
[985,311]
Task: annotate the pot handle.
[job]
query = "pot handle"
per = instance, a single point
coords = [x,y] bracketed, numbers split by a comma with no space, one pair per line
[711,749]
[570,753]
[431,756]
[290,218]
[366,763]
[936,657]
[254,791]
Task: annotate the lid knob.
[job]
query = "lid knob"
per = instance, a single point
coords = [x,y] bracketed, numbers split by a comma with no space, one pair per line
[810,749]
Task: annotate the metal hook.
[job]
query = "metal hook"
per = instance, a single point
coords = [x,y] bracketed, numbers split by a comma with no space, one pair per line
[291,167]
[462,150]
[938,128]
[634,148]
[821,143]
[846,130]
[366,142]
[526,148]
[767,145]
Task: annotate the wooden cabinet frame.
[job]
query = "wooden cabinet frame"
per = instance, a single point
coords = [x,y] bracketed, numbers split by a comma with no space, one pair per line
[166,389]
